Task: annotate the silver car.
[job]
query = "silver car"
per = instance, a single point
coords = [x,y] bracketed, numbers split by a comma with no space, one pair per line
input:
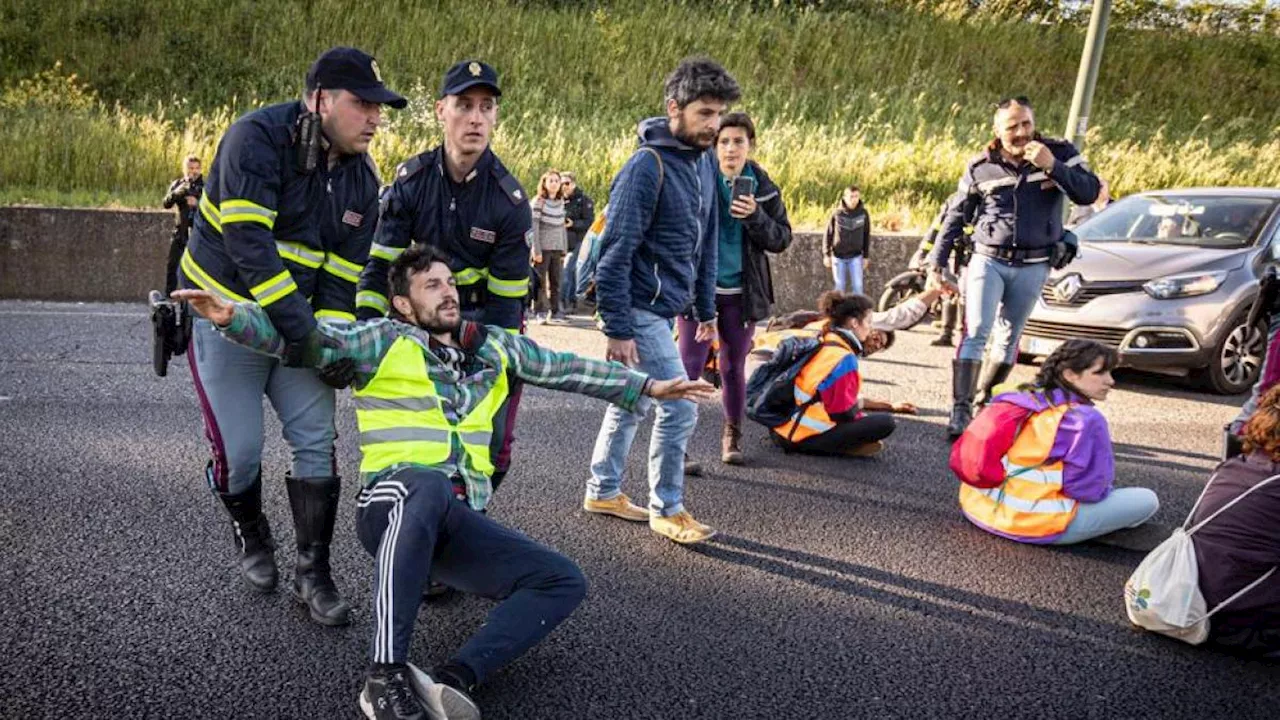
[1167,278]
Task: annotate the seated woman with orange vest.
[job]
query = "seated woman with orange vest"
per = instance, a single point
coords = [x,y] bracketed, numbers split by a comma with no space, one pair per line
[1059,486]
[830,418]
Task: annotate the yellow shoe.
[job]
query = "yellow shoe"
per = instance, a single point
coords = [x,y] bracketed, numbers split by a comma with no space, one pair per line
[681,528]
[620,506]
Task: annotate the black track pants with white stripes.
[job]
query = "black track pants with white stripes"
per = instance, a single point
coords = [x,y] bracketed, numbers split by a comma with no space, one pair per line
[416,529]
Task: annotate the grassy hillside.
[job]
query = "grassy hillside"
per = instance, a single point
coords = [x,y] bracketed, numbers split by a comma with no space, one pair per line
[101,100]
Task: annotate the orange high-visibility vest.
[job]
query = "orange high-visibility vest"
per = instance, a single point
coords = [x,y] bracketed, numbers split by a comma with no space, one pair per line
[1030,503]
[813,419]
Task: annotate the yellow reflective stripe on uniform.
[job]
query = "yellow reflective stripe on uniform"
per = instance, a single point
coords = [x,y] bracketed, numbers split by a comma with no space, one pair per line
[371,299]
[205,280]
[385,252]
[335,315]
[210,213]
[299,253]
[245,211]
[341,267]
[274,289]
[469,276]
[508,288]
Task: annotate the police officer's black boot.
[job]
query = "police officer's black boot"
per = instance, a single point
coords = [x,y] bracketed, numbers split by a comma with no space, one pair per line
[1232,444]
[315,506]
[964,379]
[992,375]
[948,325]
[253,537]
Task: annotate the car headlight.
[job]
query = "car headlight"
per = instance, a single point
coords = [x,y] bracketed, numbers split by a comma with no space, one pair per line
[1189,285]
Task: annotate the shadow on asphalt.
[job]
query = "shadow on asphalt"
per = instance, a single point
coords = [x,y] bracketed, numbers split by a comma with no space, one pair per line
[962,607]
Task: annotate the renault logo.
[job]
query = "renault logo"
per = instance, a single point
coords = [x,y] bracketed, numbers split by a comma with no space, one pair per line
[1066,289]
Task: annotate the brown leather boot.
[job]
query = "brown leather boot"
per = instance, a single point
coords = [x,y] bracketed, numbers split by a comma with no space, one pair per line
[730,453]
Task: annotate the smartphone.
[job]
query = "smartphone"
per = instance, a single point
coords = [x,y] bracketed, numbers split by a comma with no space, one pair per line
[743,185]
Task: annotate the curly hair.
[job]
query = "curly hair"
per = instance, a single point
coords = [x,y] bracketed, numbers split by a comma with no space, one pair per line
[1262,429]
[699,77]
[838,307]
[1076,355]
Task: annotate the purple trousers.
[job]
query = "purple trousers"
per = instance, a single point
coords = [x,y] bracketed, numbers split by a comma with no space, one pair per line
[735,333]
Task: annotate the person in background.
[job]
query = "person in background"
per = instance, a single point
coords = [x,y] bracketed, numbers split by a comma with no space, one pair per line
[831,419]
[1243,543]
[1060,487]
[1080,213]
[580,213]
[550,242]
[750,225]
[846,244]
[182,196]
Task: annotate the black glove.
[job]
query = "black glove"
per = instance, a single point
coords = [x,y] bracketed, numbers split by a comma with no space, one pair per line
[339,373]
[1063,253]
[307,351]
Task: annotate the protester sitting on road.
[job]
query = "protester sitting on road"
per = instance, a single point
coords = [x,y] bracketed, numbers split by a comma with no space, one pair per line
[1059,487]
[1243,543]
[550,243]
[830,420]
[751,224]
[428,389]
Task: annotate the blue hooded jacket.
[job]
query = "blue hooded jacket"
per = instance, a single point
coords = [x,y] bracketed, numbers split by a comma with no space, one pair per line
[658,253]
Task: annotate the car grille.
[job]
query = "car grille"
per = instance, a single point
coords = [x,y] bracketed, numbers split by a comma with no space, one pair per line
[1063,331]
[1088,291]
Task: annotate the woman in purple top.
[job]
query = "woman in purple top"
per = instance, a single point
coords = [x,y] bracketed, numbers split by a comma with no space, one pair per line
[1243,543]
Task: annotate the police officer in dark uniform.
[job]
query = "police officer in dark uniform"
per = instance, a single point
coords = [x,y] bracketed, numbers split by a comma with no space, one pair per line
[182,196]
[286,221]
[460,198]
[1015,192]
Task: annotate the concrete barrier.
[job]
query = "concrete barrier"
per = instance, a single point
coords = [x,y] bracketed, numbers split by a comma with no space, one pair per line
[118,255]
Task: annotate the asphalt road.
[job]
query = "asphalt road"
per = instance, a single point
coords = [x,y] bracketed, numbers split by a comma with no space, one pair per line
[837,588]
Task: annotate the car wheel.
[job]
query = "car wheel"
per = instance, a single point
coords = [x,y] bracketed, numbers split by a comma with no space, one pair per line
[1237,359]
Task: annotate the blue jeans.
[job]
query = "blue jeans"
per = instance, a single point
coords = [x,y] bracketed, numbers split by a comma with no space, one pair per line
[998,296]
[1123,508]
[847,273]
[230,381]
[569,280]
[659,359]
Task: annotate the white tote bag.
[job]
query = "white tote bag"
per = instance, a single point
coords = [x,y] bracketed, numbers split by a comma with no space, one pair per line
[1163,594]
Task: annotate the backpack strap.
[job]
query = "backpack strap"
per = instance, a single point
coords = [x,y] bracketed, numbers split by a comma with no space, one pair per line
[1222,509]
[657,157]
[1240,592]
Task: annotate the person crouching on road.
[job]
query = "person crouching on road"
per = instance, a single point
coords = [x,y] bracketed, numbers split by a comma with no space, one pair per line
[428,389]
[1243,543]
[831,420]
[1060,488]
[550,242]
[750,226]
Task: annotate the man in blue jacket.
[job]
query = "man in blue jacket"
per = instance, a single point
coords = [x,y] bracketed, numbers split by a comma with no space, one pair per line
[658,259]
[285,220]
[1012,194]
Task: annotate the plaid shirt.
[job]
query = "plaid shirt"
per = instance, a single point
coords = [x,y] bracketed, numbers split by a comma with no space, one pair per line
[460,391]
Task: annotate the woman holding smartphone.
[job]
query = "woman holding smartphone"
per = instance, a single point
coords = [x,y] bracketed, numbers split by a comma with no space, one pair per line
[753,221]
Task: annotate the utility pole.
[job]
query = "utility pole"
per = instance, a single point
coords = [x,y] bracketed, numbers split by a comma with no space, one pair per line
[1087,77]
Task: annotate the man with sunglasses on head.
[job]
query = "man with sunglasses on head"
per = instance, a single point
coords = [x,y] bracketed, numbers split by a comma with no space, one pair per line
[460,198]
[285,220]
[1014,193]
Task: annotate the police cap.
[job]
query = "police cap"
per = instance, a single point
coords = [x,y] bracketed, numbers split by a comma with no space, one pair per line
[468,74]
[346,68]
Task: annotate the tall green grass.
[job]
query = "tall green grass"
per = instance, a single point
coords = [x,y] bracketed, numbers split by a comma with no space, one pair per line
[887,98]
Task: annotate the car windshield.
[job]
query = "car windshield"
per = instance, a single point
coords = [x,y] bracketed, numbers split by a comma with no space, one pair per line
[1207,221]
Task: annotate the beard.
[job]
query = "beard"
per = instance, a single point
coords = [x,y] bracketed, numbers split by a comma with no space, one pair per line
[435,321]
[702,141]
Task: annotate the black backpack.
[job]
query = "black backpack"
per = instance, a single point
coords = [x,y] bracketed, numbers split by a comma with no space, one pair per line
[771,398]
